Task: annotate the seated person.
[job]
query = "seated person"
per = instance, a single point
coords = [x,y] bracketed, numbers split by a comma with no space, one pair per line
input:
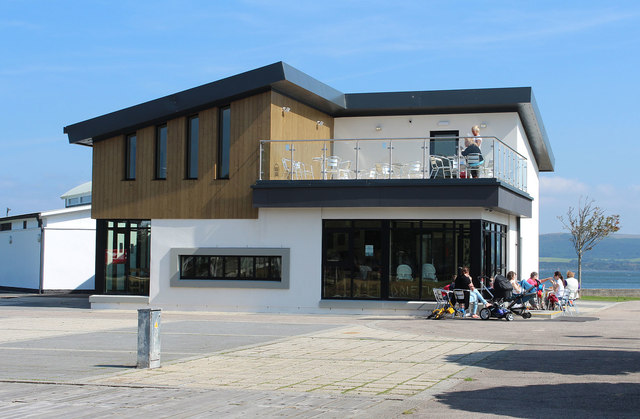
[537,283]
[558,289]
[474,297]
[572,285]
[528,291]
[472,148]
[463,282]
[511,276]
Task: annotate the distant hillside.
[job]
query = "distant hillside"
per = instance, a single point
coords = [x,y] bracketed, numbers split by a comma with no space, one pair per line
[619,251]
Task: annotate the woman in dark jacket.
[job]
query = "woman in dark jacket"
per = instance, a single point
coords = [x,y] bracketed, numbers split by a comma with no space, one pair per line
[472,148]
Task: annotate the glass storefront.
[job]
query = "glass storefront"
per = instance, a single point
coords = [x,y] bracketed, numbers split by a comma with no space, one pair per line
[126,257]
[405,259]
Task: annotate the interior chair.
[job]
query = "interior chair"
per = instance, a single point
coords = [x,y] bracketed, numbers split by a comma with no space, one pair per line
[429,272]
[404,273]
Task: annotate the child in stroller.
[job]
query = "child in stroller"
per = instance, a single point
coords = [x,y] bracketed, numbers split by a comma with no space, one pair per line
[505,303]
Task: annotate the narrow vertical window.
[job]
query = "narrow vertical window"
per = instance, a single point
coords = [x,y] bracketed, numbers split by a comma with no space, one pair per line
[224,143]
[161,152]
[131,157]
[192,147]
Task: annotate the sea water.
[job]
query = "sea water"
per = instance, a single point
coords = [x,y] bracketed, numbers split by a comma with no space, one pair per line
[604,279]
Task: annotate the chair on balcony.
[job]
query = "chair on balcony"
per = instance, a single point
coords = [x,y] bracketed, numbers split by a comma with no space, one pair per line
[398,170]
[286,166]
[304,171]
[440,167]
[332,167]
[383,171]
[344,170]
[475,163]
[413,170]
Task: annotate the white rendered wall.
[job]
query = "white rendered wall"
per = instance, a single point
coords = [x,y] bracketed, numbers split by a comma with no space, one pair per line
[20,256]
[300,230]
[530,227]
[69,249]
[500,125]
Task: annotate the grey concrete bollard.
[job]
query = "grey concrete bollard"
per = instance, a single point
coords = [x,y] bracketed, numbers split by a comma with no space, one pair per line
[148,338]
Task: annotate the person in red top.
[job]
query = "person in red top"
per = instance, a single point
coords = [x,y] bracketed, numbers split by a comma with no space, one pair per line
[535,282]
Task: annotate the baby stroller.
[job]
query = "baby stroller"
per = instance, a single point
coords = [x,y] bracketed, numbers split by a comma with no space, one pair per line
[505,304]
[516,304]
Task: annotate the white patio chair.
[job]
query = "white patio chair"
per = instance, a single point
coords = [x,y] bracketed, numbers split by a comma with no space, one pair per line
[413,170]
[383,171]
[567,302]
[332,167]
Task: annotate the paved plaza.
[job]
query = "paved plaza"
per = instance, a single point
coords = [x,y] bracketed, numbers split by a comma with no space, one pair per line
[60,359]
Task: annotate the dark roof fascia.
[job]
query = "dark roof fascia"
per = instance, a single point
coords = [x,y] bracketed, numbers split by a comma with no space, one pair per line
[35,215]
[291,82]
[508,99]
[278,75]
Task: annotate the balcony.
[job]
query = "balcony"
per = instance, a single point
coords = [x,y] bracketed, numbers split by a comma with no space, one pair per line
[431,171]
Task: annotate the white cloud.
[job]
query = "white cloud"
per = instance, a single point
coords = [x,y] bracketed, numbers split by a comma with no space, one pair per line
[557,194]
[554,185]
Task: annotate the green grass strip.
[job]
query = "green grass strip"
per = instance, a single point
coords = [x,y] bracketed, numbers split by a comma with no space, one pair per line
[605,298]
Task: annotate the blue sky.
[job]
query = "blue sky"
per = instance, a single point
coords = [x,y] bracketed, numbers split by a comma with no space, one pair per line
[64,62]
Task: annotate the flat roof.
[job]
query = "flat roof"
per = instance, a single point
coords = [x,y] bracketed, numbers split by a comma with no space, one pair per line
[292,82]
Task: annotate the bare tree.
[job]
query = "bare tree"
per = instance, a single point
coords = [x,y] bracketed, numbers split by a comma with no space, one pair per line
[588,226]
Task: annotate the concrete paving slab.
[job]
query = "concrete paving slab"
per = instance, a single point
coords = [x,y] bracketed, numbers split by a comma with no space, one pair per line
[233,365]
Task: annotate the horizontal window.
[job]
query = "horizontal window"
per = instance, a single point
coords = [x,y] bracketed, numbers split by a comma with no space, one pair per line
[252,268]
[230,267]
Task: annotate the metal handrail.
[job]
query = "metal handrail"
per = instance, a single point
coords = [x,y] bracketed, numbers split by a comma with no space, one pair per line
[507,165]
[395,139]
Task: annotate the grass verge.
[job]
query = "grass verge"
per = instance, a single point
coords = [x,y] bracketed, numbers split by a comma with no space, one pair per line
[603,298]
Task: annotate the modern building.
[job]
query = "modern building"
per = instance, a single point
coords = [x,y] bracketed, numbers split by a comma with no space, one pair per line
[50,251]
[271,191]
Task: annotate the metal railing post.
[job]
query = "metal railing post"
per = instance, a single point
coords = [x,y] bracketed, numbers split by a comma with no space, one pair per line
[390,158]
[357,155]
[260,162]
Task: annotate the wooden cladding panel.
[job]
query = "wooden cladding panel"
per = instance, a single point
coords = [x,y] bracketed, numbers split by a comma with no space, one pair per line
[178,197]
[300,123]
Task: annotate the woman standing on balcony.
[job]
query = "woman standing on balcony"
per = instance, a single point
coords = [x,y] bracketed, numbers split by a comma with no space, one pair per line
[475,130]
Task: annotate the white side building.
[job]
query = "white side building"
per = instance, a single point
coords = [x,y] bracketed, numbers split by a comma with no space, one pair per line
[50,250]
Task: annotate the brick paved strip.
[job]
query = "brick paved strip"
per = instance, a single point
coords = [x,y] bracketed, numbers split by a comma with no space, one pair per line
[349,360]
